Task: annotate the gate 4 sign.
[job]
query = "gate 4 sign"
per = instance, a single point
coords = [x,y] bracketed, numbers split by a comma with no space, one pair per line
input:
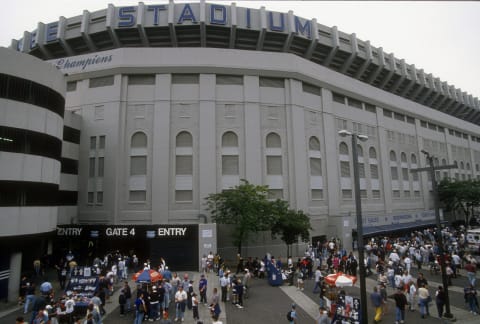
[120,231]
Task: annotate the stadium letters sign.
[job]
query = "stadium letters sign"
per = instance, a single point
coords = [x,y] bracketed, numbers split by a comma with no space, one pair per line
[187,14]
[129,231]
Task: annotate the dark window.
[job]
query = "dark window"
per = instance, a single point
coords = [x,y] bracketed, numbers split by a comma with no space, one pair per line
[141,79]
[101,82]
[272,82]
[387,113]
[309,88]
[71,135]
[69,166]
[24,193]
[18,140]
[71,86]
[18,89]
[338,98]
[67,198]
[229,79]
[354,103]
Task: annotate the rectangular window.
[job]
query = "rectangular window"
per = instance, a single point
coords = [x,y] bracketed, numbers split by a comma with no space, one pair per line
[137,195]
[229,79]
[387,113]
[230,165]
[346,193]
[100,166]
[99,198]
[93,143]
[400,117]
[275,194]
[432,126]
[274,165]
[451,132]
[101,142]
[396,193]
[405,174]
[338,98]
[90,196]
[406,193]
[423,123]
[138,165]
[345,169]
[315,167]
[141,79]
[185,78]
[308,88]
[370,108]
[99,112]
[91,167]
[416,193]
[363,194]
[410,120]
[183,195]
[361,170]
[71,86]
[101,82]
[317,194]
[184,165]
[415,176]
[376,194]
[441,129]
[394,172]
[354,103]
[272,82]
[373,171]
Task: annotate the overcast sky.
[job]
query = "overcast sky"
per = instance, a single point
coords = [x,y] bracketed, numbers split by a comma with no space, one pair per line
[443,38]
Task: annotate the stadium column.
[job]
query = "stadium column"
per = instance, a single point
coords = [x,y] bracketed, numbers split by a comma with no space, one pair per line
[14,277]
[383,157]
[253,135]
[161,147]
[297,165]
[330,156]
[207,153]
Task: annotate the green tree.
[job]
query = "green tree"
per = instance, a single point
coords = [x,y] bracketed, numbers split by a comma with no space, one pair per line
[290,225]
[245,207]
[463,195]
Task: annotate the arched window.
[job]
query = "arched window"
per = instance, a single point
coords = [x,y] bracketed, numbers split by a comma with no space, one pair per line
[462,166]
[230,164]
[372,153]
[315,161]
[274,166]
[393,156]
[403,157]
[361,164]
[314,144]
[184,167]
[273,141]
[413,160]
[138,167]
[343,149]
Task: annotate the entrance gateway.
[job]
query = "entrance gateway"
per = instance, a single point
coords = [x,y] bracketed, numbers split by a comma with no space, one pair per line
[179,244]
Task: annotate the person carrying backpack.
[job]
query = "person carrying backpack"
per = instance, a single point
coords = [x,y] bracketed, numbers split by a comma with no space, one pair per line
[292,315]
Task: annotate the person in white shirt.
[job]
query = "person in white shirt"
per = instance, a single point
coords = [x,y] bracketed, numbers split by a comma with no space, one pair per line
[180,303]
[394,257]
[408,263]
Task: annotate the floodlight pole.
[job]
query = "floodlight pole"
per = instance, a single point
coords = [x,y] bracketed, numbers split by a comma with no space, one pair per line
[432,168]
[358,210]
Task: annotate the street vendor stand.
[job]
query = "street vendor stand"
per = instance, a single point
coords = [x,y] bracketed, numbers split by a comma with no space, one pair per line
[82,286]
[342,307]
[274,275]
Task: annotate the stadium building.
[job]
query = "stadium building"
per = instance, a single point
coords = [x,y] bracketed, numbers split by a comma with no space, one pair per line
[167,103]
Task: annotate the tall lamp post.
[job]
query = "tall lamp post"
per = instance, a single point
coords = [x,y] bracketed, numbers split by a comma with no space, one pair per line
[358,210]
[431,169]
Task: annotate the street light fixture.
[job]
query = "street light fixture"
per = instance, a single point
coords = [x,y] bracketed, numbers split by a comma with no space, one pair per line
[358,210]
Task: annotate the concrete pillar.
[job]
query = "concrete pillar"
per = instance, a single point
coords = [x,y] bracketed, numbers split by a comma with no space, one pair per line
[15,273]
[207,241]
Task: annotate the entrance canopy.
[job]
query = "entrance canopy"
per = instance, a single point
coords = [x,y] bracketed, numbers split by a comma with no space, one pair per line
[399,227]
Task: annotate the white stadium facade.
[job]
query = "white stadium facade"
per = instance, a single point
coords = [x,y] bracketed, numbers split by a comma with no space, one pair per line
[167,103]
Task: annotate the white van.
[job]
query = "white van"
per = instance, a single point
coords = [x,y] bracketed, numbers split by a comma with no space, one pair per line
[473,240]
